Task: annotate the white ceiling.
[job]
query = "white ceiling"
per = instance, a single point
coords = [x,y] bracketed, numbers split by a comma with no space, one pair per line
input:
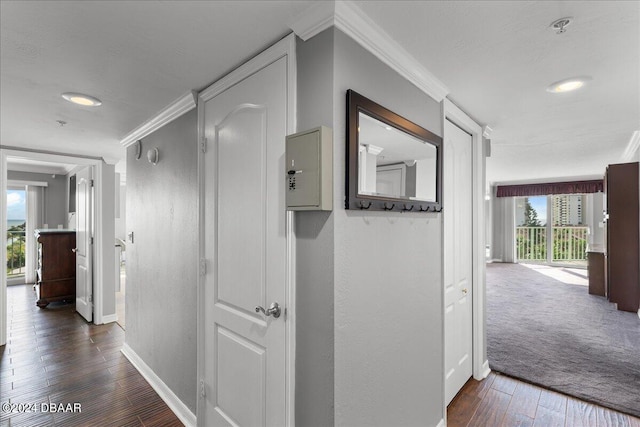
[135,56]
[496,58]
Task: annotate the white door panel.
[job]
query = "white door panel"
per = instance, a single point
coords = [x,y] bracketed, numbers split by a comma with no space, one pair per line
[457,186]
[84,250]
[245,223]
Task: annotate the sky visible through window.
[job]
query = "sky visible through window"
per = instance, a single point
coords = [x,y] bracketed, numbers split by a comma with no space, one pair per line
[16,206]
[539,203]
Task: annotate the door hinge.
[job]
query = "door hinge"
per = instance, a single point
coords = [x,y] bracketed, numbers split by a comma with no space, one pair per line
[203,391]
[203,266]
[90,298]
[92,240]
[92,183]
[203,145]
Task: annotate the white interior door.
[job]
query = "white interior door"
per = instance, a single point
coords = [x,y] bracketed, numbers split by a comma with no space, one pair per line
[84,247]
[457,188]
[245,248]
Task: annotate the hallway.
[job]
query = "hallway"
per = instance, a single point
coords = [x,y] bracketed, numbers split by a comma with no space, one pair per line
[53,356]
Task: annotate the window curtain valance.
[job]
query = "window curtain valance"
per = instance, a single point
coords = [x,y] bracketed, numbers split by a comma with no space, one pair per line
[572,187]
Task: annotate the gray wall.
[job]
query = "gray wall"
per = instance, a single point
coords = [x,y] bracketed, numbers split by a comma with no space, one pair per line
[55,196]
[315,250]
[388,271]
[162,261]
[368,283]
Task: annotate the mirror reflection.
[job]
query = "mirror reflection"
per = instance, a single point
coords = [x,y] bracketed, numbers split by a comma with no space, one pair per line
[392,163]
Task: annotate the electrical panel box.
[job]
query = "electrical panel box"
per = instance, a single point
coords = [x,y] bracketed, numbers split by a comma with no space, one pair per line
[309,170]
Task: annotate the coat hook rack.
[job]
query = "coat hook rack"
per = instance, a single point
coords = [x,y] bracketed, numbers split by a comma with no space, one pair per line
[387,208]
[362,206]
[407,209]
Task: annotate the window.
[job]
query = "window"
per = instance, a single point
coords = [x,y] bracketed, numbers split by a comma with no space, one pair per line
[16,224]
[561,239]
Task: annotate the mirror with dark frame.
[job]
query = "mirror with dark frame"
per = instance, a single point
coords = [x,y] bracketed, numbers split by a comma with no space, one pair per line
[392,163]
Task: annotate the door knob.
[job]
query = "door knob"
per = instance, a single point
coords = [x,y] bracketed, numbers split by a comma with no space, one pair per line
[464,291]
[74,250]
[274,310]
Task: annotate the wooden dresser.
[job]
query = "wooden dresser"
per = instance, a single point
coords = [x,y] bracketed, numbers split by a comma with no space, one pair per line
[56,273]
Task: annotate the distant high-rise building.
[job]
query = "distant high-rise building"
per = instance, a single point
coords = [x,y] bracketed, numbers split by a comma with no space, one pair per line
[520,218]
[567,209]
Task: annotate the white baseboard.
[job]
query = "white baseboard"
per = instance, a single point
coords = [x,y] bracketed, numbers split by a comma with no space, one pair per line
[110,318]
[485,369]
[187,417]
[441,423]
[484,372]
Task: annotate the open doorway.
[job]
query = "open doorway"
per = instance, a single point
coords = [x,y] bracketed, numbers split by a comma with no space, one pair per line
[543,325]
[103,245]
[37,199]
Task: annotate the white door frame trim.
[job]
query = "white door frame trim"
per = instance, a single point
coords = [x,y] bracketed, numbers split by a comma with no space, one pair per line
[480,364]
[284,48]
[99,267]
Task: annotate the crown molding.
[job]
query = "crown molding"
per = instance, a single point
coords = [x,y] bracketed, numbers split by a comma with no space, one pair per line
[351,20]
[632,147]
[314,20]
[174,110]
[374,149]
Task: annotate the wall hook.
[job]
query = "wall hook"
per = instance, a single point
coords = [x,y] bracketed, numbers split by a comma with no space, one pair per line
[387,208]
[424,210]
[362,206]
[405,208]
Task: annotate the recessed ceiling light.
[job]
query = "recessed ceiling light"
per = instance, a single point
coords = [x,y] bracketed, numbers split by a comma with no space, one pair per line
[82,99]
[567,85]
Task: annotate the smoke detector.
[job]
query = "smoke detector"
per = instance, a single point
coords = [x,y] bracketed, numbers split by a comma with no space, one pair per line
[560,25]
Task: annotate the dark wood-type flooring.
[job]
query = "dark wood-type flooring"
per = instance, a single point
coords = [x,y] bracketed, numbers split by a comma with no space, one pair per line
[503,401]
[54,356]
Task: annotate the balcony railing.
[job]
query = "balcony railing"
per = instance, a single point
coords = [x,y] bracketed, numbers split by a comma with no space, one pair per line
[531,243]
[16,247]
[569,244]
